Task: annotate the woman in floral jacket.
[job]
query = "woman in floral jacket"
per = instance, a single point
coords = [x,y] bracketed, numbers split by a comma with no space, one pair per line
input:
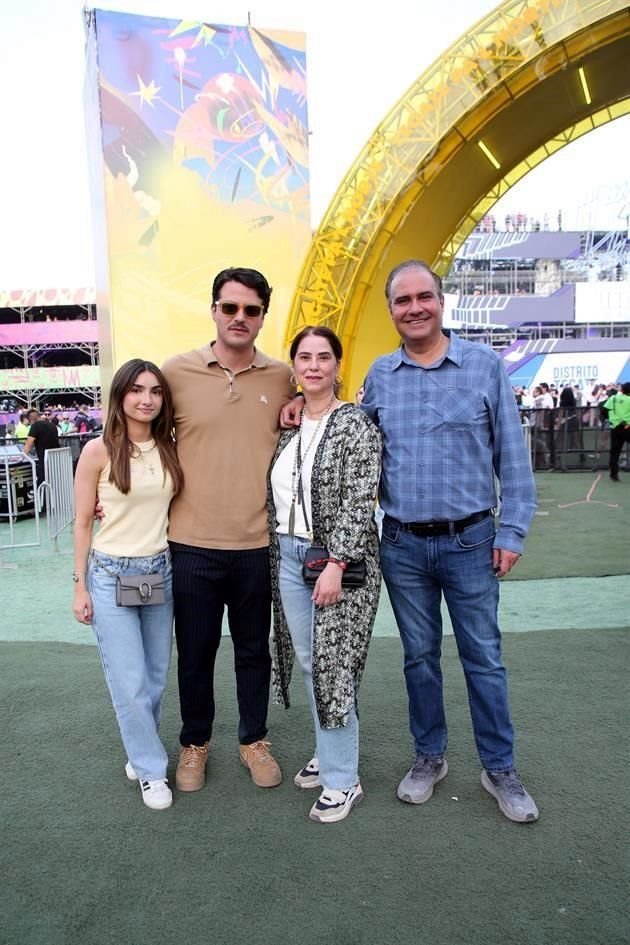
[322,490]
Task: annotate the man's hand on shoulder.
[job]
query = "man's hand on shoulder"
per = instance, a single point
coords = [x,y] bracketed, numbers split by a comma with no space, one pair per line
[290,413]
[503,561]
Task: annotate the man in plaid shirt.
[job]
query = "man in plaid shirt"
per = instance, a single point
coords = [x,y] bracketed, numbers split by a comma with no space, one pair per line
[450,424]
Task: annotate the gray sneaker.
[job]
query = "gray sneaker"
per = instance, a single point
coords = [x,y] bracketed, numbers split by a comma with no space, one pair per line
[417,785]
[513,800]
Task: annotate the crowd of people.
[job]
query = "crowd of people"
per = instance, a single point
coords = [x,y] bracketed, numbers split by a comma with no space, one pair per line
[264,499]
[519,223]
[590,399]
[77,420]
[40,432]
[567,410]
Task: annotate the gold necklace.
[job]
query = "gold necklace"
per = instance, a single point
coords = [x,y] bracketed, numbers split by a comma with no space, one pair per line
[147,465]
[327,409]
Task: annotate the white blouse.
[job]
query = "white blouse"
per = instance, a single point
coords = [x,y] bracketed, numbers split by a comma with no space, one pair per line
[281,478]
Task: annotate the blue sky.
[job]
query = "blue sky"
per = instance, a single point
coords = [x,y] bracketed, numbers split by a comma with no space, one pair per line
[361,58]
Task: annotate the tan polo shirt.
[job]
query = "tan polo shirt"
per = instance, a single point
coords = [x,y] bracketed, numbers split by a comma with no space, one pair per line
[227,429]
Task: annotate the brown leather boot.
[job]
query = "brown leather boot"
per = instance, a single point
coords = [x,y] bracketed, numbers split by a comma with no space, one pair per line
[263,767]
[191,770]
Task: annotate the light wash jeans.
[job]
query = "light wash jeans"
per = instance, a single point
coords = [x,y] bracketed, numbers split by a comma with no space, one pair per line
[336,748]
[135,648]
[417,571]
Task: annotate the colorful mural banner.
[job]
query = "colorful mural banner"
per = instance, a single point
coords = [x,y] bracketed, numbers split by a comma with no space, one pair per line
[199,141]
[55,378]
[71,331]
[29,298]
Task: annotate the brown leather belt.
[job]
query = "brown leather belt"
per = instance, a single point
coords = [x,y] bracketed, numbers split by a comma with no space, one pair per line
[443,528]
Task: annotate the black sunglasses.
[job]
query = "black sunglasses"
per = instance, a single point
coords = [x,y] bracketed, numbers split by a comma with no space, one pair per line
[231,308]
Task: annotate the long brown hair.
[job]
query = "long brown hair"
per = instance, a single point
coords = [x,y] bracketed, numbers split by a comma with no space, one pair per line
[116,439]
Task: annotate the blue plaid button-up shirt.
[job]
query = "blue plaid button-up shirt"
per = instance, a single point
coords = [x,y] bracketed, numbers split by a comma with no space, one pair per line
[447,429]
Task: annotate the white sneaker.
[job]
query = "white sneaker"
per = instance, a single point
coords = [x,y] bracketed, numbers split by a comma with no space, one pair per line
[129,771]
[156,794]
[335,805]
[308,777]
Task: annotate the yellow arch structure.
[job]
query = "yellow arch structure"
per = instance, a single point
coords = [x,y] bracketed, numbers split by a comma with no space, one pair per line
[530,78]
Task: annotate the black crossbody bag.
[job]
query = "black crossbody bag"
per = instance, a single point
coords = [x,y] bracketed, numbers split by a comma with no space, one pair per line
[316,559]
[318,556]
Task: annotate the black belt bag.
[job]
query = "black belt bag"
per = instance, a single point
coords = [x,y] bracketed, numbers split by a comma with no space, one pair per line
[133,590]
[316,559]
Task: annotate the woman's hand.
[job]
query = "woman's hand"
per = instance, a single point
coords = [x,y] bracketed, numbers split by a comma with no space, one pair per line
[82,606]
[328,587]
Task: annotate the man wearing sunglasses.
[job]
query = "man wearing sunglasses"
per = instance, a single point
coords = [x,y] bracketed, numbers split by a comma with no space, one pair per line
[227,398]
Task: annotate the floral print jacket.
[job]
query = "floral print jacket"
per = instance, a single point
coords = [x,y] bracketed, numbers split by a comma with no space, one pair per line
[344,483]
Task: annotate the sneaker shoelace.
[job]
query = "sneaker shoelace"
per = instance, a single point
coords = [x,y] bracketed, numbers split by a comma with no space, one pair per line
[510,782]
[261,751]
[425,766]
[334,797]
[193,756]
[154,786]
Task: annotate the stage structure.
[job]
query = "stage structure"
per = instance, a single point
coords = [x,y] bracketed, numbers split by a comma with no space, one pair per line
[528,79]
[40,325]
[199,155]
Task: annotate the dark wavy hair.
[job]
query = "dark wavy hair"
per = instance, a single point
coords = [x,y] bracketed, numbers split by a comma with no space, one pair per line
[119,446]
[250,278]
[320,331]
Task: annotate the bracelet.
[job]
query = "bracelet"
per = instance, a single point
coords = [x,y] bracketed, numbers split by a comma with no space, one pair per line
[77,575]
[340,564]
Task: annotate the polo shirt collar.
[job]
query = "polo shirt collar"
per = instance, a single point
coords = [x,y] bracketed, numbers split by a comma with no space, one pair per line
[454,352]
[260,360]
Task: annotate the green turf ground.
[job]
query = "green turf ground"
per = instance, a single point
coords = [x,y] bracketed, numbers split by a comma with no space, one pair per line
[85,863]
[573,537]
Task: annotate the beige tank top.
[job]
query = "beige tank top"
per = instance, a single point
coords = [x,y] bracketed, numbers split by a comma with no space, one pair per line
[135,525]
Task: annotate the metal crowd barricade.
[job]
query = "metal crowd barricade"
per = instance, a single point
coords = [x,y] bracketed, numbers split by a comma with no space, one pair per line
[527,433]
[18,483]
[567,439]
[59,491]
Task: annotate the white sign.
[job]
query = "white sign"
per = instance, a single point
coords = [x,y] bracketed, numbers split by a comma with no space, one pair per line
[583,368]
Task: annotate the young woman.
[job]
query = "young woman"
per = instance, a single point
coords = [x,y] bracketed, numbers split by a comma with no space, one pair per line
[323,485]
[133,469]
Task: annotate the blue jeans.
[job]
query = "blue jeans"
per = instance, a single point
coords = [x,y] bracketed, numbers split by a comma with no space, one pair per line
[417,571]
[336,748]
[135,648]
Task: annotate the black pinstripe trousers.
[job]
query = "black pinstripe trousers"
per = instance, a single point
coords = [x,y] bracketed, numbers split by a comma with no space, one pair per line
[205,581]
